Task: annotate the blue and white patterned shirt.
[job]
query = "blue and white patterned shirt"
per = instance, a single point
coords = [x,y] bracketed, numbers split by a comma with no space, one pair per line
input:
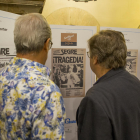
[31,105]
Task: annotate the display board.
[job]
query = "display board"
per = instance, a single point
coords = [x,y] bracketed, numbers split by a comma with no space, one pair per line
[132,38]
[7,46]
[69,52]
[61,38]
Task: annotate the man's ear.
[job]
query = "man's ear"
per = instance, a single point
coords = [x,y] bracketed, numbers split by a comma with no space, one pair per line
[46,45]
[95,60]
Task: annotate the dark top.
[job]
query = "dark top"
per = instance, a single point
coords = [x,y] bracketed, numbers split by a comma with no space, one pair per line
[111,108]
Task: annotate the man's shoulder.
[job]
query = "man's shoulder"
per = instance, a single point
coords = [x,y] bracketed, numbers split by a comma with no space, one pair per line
[39,83]
[26,81]
[53,86]
[45,81]
[114,86]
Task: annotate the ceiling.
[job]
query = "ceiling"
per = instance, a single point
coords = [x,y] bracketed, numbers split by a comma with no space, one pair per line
[22,6]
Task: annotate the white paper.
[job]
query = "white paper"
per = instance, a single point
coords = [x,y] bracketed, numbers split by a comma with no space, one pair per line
[68,70]
[7,46]
[83,34]
[7,22]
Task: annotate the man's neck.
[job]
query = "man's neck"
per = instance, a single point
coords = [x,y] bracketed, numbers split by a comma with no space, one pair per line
[100,71]
[32,56]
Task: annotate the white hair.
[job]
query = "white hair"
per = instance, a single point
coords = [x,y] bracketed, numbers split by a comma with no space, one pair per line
[30,33]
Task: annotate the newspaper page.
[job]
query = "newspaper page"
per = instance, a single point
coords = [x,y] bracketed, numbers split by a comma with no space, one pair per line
[7,45]
[4,62]
[131,61]
[5,56]
[68,68]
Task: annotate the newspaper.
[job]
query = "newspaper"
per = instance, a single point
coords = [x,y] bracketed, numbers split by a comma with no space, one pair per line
[68,68]
[132,61]
[4,62]
[5,56]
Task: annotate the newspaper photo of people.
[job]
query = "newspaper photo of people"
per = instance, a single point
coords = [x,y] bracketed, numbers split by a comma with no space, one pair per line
[131,61]
[68,66]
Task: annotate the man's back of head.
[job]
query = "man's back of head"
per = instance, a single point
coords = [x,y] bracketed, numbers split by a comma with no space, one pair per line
[109,49]
[31,33]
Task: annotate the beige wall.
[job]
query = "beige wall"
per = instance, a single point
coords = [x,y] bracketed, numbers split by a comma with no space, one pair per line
[112,13]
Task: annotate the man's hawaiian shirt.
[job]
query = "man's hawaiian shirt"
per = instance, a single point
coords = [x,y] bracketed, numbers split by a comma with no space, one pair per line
[31,105]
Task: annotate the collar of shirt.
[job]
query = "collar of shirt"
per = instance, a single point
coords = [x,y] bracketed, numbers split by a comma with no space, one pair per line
[109,74]
[22,62]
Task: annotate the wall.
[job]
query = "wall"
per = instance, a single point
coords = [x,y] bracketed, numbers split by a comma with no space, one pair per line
[115,13]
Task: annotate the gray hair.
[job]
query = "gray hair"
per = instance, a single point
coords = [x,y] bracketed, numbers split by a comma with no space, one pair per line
[110,48]
[30,33]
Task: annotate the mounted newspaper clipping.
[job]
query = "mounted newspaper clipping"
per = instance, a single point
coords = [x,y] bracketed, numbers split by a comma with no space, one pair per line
[68,39]
[132,61]
[68,68]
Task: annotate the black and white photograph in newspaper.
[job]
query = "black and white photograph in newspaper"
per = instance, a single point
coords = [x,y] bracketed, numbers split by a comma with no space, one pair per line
[131,61]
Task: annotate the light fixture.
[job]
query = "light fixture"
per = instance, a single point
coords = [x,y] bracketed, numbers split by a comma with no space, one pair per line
[83,0]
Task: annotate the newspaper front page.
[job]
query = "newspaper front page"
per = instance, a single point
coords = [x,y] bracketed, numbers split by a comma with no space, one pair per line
[5,56]
[131,61]
[68,71]
[4,62]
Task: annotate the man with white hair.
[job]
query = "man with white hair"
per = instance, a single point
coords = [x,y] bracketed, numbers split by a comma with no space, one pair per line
[31,105]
